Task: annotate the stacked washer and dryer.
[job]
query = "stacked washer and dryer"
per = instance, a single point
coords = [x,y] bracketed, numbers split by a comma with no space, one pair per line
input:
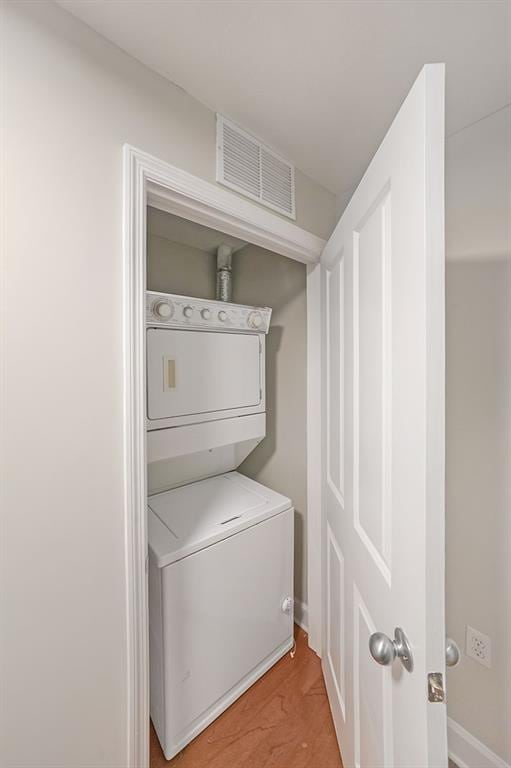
[220,544]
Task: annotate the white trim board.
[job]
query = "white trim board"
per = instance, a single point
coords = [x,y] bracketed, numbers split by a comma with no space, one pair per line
[176,191]
[301,615]
[148,180]
[314,509]
[467,751]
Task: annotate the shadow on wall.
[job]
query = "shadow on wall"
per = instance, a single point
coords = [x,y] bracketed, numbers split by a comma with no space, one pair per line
[262,454]
[280,461]
[254,465]
[478,490]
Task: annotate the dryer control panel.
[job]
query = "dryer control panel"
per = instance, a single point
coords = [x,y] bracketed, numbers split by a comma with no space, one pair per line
[169,310]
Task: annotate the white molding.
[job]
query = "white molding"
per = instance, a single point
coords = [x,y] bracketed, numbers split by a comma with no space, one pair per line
[149,180]
[301,615]
[467,751]
[176,191]
[134,217]
[314,509]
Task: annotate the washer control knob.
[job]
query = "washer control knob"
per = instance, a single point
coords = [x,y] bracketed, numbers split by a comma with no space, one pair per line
[205,313]
[188,311]
[255,320]
[222,315]
[163,310]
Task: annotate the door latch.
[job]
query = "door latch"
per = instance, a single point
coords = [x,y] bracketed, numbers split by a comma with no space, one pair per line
[436,693]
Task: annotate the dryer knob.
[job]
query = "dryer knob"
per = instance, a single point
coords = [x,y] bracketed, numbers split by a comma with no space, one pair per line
[188,311]
[205,313]
[255,320]
[163,310]
[222,316]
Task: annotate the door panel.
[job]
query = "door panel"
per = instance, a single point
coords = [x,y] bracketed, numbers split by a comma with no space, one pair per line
[335,380]
[383,413]
[371,385]
[335,650]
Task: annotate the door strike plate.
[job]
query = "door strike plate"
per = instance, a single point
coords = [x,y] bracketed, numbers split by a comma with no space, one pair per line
[436,691]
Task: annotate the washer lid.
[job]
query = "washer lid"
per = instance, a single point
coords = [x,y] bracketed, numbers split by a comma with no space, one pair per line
[186,519]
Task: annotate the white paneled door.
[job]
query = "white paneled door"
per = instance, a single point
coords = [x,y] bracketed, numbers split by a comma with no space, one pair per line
[383,445]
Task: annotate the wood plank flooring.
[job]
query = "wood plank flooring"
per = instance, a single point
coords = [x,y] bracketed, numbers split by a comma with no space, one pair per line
[282,721]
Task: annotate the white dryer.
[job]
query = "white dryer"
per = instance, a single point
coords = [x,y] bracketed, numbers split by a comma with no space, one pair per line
[220,545]
[205,360]
[220,605]
[206,404]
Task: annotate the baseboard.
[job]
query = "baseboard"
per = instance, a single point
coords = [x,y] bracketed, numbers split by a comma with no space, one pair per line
[301,615]
[467,751]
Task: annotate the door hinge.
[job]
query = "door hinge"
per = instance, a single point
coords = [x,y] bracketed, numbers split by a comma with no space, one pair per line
[436,693]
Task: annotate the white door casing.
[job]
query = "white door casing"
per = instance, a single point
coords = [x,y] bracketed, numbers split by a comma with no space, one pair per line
[151,181]
[383,443]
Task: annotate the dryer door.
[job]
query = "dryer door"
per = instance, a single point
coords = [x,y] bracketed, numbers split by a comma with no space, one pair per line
[199,375]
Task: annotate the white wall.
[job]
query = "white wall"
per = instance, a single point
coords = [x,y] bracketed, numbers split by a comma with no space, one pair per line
[342,200]
[69,102]
[478,437]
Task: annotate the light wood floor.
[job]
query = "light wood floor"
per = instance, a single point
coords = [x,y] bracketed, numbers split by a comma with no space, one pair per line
[282,721]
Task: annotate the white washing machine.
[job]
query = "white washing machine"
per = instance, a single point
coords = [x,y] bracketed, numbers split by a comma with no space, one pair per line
[220,587]
[220,544]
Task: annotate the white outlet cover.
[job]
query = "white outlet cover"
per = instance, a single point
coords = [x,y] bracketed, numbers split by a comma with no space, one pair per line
[478,646]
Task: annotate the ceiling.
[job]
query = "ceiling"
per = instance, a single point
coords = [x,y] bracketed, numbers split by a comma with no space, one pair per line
[319,80]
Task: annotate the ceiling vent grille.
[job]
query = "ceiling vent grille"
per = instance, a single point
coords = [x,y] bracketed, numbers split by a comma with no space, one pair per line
[254,170]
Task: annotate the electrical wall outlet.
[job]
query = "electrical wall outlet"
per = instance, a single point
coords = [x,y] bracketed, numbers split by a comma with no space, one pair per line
[478,646]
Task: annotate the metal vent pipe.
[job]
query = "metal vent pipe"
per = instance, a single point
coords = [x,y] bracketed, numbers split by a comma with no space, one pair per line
[224,273]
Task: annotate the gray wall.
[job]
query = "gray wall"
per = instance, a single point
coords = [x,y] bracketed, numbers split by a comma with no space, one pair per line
[69,100]
[280,461]
[478,422]
[177,268]
[260,278]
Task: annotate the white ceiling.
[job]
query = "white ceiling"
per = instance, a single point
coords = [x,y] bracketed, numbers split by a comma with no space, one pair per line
[319,80]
